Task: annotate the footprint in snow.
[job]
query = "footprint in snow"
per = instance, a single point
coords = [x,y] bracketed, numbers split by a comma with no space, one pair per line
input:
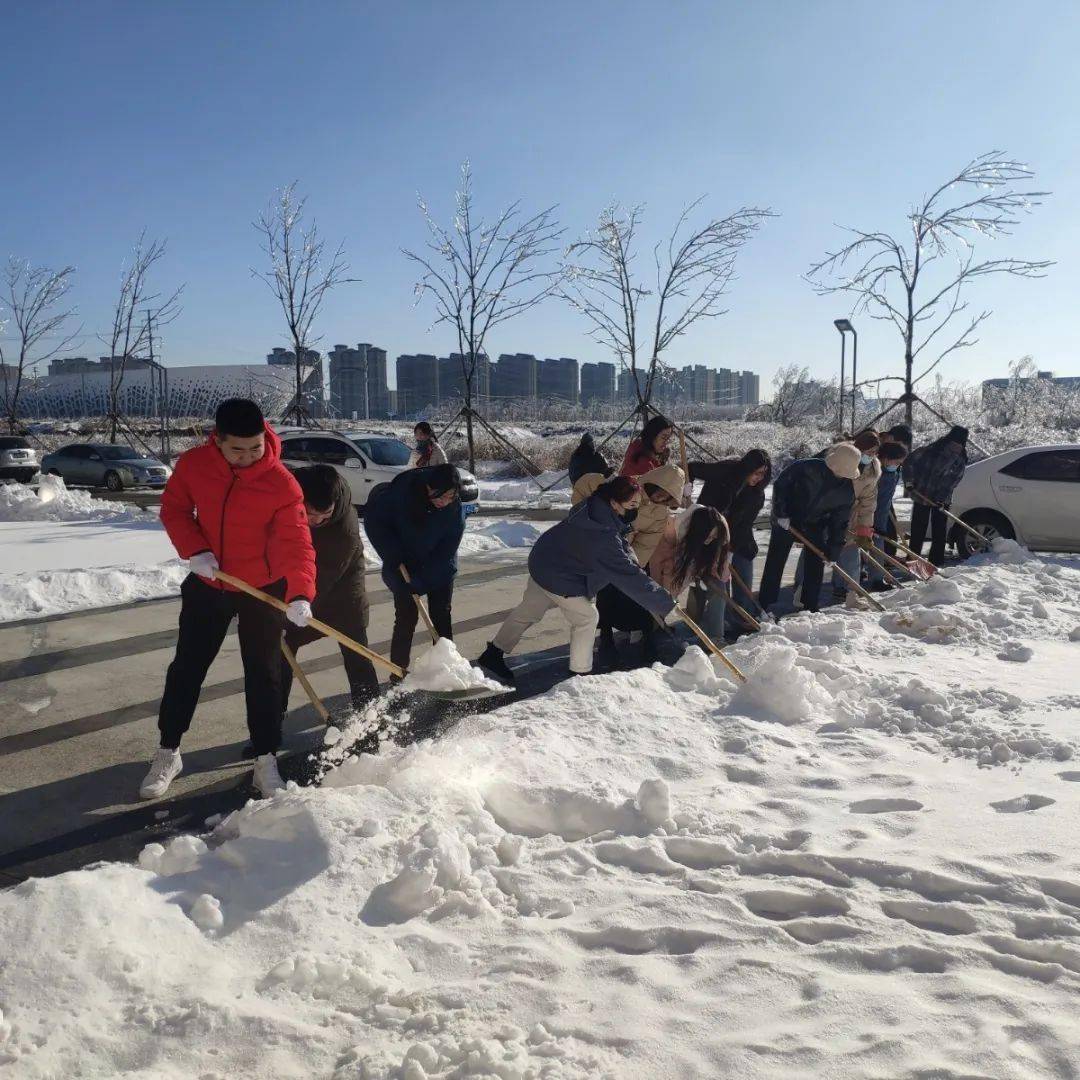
[941,918]
[883,806]
[781,905]
[1022,804]
[1069,775]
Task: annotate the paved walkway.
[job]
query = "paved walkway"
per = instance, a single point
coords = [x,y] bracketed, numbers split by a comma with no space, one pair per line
[79,697]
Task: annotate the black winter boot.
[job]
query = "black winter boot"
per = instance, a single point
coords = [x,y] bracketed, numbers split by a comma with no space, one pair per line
[491,660]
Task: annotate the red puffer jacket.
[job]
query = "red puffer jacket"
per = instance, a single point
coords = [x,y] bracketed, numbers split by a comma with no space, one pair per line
[252,519]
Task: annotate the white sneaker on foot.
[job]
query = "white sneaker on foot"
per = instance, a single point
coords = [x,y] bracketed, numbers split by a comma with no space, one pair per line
[165,767]
[267,779]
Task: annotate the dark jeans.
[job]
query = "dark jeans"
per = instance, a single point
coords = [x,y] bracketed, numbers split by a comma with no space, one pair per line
[780,542]
[205,614]
[406,616]
[363,682]
[921,517]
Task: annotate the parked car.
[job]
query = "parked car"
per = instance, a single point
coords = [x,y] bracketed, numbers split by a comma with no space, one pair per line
[1031,495]
[367,460]
[18,459]
[105,465]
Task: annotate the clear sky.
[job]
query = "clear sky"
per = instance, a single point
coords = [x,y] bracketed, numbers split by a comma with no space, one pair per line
[183,118]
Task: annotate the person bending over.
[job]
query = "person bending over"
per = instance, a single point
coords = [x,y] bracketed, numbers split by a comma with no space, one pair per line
[340,593]
[418,521]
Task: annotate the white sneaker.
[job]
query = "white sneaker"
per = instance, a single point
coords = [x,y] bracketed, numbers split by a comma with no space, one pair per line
[165,767]
[267,778]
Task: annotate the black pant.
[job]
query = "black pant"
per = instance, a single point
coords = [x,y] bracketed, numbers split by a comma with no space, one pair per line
[205,614]
[921,516]
[813,570]
[406,616]
[363,682]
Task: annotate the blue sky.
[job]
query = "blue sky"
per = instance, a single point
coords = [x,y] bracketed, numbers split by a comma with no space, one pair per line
[184,118]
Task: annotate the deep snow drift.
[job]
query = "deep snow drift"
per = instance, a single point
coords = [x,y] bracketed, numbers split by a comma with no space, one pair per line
[862,863]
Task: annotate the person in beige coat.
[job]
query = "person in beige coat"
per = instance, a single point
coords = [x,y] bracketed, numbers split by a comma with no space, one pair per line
[585,486]
[663,492]
[861,522]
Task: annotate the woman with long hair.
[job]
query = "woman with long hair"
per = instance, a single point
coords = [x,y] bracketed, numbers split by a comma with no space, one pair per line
[428,452]
[692,548]
[650,449]
[569,565]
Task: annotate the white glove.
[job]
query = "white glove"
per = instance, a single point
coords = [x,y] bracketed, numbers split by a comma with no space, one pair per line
[298,613]
[784,523]
[829,566]
[204,564]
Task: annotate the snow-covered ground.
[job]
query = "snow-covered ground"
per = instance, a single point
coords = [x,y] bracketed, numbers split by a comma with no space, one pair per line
[864,862]
[67,551]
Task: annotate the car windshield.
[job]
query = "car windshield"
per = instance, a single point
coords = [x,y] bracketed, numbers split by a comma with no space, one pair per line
[13,443]
[118,453]
[382,451]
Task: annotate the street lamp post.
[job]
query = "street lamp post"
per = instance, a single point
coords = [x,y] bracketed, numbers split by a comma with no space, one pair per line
[845,327]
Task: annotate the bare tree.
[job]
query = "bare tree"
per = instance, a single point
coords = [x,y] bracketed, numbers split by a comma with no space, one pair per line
[693,272]
[482,274]
[796,397]
[300,275]
[34,297]
[918,281]
[137,315]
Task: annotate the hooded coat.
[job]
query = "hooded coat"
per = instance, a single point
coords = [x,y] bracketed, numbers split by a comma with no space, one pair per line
[585,486]
[725,488]
[339,562]
[662,564]
[252,519]
[587,459]
[933,472]
[865,503]
[816,500]
[404,527]
[638,460]
[588,550]
[652,517]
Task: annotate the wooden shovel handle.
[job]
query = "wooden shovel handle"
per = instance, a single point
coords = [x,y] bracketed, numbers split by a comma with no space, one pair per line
[709,643]
[813,549]
[298,671]
[421,607]
[328,631]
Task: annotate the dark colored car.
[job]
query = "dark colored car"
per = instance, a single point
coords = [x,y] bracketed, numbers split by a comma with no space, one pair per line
[105,465]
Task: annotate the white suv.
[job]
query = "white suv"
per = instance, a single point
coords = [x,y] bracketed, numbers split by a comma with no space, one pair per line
[18,459]
[367,460]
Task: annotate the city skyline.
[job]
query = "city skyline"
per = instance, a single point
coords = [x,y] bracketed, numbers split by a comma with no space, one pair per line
[824,144]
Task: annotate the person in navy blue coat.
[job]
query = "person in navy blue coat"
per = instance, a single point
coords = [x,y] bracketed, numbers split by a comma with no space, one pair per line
[418,522]
[569,565]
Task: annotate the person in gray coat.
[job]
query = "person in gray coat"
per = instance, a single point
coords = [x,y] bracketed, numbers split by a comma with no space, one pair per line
[569,565]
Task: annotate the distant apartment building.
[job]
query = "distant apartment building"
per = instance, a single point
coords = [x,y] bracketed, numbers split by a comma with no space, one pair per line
[452,378]
[280,357]
[558,379]
[626,385]
[749,388]
[597,384]
[990,387]
[417,383]
[515,376]
[358,382]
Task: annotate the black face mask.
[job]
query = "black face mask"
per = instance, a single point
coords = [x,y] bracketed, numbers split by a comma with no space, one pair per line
[629,517]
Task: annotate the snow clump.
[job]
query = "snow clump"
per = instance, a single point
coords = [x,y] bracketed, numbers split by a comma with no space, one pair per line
[778,688]
[442,667]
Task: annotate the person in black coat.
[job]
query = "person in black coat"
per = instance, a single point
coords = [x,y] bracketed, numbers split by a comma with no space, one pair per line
[735,487]
[587,459]
[930,477]
[340,593]
[418,522]
[815,497]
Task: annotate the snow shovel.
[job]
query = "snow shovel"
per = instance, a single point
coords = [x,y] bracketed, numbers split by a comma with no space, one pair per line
[298,671]
[847,577]
[893,561]
[709,643]
[920,568]
[472,694]
[881,566]
[328,631]
[685,465]
[749,592]
[959,521]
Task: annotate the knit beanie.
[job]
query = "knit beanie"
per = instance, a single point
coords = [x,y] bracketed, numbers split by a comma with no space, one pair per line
[843,460]
[958,434]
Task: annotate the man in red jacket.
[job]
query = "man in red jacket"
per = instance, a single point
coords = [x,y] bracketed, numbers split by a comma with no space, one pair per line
[232,505]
